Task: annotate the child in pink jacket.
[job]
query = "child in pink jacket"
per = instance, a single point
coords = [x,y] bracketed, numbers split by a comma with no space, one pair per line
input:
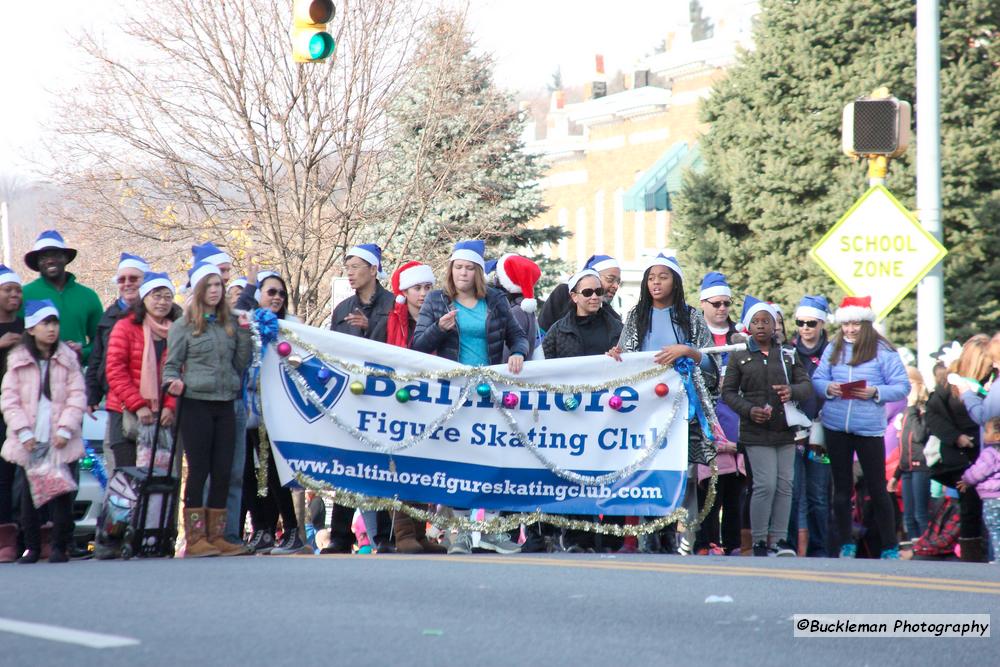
[43,399]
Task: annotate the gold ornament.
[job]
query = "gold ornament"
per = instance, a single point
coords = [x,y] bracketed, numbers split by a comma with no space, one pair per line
[294,360]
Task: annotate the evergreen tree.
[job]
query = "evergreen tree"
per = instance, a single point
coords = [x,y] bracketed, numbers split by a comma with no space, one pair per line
[701,25]
[455,166]
[775,179]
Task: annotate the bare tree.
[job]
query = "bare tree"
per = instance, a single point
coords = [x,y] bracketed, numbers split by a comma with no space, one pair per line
[200,126]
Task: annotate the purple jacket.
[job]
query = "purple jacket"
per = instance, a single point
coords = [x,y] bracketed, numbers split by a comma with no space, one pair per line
[984,474]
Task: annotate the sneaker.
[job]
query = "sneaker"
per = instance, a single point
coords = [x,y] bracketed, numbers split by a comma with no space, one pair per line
[849,551]
[460,544]
[262,542]
[890,554]
[290,543]
[499,543]
[684,548]
[760,549]
[564,546]
[58,556]
[784,548]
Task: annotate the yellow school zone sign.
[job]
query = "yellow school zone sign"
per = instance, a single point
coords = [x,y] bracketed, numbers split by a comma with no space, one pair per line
[878,249]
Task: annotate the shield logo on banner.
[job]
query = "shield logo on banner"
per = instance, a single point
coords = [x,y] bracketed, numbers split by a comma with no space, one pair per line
[330,389]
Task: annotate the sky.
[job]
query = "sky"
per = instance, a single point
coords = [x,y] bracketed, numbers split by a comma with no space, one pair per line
[529,38]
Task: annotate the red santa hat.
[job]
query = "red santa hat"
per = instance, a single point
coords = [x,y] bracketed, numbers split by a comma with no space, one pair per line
[408,275]
[518,275]
[855,309]
[403,278]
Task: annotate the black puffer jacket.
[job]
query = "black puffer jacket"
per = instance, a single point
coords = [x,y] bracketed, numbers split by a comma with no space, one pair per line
[748,382]
[501,328]
[96,381]
[912,439]
[559,303]
[565,338]
[947,418]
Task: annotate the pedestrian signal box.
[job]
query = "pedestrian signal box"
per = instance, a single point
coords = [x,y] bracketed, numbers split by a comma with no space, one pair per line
[874,127]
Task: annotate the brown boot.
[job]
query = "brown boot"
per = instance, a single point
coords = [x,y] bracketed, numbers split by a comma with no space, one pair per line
[406,538]
[746,542]
[194,532]
[420,530]
[8,543]
[216,528]
[803,542]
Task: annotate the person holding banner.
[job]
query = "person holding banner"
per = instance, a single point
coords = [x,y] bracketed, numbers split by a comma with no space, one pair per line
[268,291]
[662,321]
[411,283]
[559,303]
[363,314]
[588,330]
[516,277]
[470,323]
[859,373]
[206,356]
[761,385]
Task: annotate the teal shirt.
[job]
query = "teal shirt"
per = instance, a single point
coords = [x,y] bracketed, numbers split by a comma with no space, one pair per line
[79,307]
[472,334]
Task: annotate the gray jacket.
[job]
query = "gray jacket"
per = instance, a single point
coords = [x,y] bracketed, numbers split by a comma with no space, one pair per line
[212,364]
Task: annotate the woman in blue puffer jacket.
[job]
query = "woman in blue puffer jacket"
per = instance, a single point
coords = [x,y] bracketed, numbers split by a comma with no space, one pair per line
[856,423]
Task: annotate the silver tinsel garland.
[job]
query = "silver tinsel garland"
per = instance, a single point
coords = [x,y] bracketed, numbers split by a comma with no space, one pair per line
[488,376]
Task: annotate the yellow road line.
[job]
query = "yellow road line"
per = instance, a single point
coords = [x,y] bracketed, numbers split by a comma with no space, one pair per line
[843,578]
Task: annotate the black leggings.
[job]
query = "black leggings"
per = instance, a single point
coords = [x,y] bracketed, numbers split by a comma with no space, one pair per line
[728,491]
[208,431]
[841,448]
[970,505]
[264,511]
[7,472]
[60,511]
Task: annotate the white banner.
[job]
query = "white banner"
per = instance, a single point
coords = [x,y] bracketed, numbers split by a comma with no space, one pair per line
[518,448]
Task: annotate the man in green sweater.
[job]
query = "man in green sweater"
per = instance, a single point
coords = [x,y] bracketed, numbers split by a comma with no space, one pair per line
[79,307]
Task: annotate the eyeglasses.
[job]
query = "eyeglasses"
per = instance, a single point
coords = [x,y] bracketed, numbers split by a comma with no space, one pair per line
[590,291]
[611,280]
[166,296]
[274,291]
[128,279]
[808,324]
[719,304]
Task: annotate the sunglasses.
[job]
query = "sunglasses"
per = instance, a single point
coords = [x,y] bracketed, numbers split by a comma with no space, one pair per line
[274,291]
[809,324]
[720,304]
[591,291]
[128,279]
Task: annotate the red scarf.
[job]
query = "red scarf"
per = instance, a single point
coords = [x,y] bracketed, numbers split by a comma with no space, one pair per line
[398,326]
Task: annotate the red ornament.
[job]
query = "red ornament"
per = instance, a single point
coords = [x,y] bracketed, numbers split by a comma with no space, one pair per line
[615,402]
[284,348]
[662,390]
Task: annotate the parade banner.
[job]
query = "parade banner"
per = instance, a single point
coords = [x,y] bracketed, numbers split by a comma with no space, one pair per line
[587,435]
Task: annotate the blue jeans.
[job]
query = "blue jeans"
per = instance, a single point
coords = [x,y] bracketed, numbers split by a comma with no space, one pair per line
[810,503]
[916,498]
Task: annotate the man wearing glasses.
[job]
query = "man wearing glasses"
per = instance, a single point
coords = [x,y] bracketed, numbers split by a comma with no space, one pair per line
[716,303]
[128,278]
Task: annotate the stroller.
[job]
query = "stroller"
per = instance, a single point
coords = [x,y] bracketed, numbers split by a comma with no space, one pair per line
[139,514]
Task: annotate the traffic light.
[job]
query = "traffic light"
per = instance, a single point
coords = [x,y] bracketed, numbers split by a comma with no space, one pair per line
[311,42]
[876,126]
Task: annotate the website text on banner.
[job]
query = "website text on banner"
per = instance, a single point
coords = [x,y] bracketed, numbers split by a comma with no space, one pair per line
[445,442]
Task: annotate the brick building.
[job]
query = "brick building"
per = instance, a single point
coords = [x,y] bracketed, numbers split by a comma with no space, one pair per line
[614,161]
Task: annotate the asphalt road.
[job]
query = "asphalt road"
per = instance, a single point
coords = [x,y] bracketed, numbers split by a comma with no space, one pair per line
[481,610]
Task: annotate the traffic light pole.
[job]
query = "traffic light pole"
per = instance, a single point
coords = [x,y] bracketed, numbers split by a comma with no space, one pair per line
[930,292]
